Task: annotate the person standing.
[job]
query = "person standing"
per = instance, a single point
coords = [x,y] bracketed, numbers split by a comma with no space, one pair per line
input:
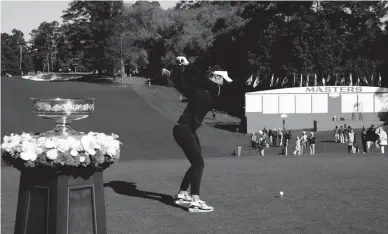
[351,140]
[274,137]
[270,135]
[363,140]
[382,139]
[280,135]
[254,141]
[341,135]
[262,145]
[336,134]
[200,91]
[345,133]
[304,141]
[214,113]
[312,141]
[297,146]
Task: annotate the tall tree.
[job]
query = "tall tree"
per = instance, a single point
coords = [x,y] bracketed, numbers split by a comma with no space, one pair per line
[92,26]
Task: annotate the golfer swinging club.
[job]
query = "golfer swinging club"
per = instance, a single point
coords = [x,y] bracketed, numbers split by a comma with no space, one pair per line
[199,89]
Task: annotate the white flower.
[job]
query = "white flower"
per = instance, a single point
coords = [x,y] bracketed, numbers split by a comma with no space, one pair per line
[111,151]
[11,143]
[73,153]
[41,140]
[86,142]
[50,144]
[75,144]
[101,137]
[52,154]
[82,159]
[26,136]
[40,150]
[28,146]
[28,155]
[91,151]
[63,145]
[92,133]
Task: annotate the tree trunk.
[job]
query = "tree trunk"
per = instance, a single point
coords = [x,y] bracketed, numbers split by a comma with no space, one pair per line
[51,58]
[48,63]
[20,60]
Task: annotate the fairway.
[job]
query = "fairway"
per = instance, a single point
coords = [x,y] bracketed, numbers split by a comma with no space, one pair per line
[331,192]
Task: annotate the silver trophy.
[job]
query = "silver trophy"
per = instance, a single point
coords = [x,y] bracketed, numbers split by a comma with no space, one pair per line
[63,112]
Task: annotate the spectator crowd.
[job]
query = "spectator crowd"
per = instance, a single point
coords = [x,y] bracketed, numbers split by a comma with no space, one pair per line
[305,143]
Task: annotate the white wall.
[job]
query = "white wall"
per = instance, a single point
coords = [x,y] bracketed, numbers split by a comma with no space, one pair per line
[303,103]
[348,102]
[381,102]
[270,104]
[366,103]
[320,103]
[287,103]
[253,103]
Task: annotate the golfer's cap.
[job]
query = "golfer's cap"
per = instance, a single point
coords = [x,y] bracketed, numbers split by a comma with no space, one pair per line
[182,60]
[224,75]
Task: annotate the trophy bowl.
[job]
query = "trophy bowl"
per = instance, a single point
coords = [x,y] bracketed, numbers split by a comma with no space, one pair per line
[63,112]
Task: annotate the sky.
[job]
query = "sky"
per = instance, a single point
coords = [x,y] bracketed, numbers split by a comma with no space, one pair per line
[27,15]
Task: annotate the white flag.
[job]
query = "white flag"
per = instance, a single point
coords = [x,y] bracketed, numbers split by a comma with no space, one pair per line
[379,80]
[256,81]
[323,82]
[272,80]
[307,80]
[366,80]
[301,80]
[315,80]
[249,81]
[277,81]
[350,80]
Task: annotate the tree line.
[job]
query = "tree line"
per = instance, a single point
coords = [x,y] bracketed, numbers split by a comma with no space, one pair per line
[332,40]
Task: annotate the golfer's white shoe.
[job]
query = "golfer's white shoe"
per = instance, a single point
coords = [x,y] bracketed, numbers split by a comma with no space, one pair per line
[182,198]
[200,206]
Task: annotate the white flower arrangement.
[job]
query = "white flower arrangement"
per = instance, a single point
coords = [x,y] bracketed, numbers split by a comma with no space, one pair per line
[94,150]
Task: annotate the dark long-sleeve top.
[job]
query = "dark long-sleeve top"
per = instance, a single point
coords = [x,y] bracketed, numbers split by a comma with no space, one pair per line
[200,93]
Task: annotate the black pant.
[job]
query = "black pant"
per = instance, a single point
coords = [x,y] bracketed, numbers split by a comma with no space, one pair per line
[364,146]
[188,141]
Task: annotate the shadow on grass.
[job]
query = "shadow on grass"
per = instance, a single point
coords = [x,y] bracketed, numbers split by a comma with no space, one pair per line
[232,127]
[97,79]
[130,189]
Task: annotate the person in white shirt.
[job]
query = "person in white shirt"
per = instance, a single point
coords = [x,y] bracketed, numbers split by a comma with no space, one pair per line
[351,140]
[297,146]
[382,139]
[304,140]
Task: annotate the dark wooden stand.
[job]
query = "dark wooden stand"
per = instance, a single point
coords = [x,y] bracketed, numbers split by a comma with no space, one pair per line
[58,203]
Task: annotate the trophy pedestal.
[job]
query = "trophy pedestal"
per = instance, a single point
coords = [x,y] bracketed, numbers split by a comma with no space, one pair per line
[63,130]
[59,203]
